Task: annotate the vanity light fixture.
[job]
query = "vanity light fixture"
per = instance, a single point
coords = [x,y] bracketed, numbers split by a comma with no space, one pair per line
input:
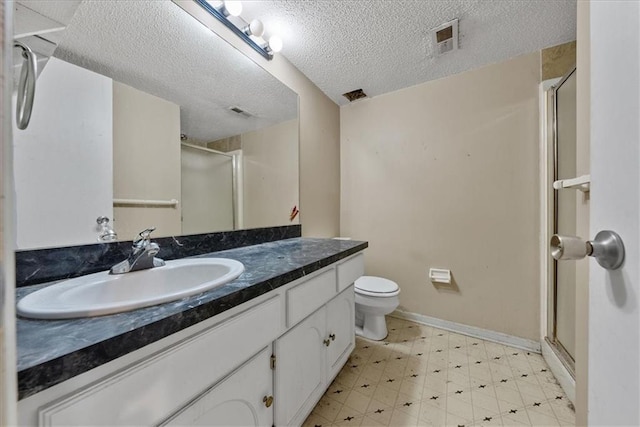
[275,43]
[255,28]
[228,12]
[233,8]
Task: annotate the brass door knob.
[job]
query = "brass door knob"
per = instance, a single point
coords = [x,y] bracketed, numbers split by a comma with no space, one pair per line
[333,337]
[268,401]
[327,342]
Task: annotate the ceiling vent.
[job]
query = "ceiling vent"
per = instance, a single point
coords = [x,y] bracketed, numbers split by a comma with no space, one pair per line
[445,37]
[240,111]
[355,94]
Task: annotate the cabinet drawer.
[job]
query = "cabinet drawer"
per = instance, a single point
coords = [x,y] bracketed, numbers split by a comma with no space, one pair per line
[307,297]
[349,271]
[151,390]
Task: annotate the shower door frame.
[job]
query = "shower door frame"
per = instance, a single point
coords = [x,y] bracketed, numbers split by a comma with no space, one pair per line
[552,289]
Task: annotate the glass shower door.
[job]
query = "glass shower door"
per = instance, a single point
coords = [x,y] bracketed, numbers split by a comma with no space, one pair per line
[565,275]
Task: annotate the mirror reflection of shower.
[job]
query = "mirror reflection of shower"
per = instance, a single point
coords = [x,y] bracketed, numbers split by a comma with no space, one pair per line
[210,190]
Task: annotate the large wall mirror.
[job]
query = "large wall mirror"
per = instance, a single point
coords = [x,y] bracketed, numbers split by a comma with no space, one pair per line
[144,116]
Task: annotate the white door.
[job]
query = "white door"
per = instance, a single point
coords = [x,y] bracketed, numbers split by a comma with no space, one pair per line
[340,330]
[614,296]
[299,378]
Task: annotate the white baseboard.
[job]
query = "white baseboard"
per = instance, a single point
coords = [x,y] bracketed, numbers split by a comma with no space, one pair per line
[567,382]
[472,331]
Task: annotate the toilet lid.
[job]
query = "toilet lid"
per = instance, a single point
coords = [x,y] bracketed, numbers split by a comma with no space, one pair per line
[376,285]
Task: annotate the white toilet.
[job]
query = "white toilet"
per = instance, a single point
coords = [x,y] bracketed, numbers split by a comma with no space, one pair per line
[375,298]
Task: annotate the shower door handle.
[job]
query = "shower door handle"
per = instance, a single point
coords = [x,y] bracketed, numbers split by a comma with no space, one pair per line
[607,248]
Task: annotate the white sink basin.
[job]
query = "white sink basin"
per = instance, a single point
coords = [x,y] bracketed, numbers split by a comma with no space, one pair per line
[102,293]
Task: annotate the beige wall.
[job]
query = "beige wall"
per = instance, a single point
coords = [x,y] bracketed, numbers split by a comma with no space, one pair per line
[583,132]
[319,136]
[270,168]
[445,174]
[319,155]
[228,144]
[319,162]
[558,60]
[319,151]
[146,154]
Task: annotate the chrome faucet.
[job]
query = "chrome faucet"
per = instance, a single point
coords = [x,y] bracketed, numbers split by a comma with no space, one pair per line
[142,255]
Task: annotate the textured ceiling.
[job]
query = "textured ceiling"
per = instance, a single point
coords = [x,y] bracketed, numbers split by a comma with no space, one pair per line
[379,46]
[382,46]
[158,48]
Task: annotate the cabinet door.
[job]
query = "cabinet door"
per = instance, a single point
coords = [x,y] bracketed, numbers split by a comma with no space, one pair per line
[238,400]
[299,379]
[341,330]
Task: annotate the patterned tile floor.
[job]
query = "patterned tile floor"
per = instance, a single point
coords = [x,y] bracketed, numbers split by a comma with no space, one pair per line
[423,376]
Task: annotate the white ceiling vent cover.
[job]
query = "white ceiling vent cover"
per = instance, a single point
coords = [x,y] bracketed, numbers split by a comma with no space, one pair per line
[240,111]
[445,37]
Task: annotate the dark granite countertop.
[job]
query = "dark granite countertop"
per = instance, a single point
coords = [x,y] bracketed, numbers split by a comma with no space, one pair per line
[52,351]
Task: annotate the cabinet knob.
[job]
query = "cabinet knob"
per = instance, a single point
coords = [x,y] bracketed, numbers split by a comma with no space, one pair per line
[327,342]
[268,401]
[333,337]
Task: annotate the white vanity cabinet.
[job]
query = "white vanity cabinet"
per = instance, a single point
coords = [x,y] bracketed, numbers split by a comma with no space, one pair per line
[267,361]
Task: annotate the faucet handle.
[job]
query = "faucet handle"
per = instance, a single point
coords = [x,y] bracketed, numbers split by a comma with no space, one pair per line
[144,237]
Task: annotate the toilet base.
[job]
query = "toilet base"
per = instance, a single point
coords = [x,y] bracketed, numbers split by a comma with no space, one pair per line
[374,327]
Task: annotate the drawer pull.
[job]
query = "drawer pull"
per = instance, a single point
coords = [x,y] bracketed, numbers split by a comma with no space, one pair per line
[327,342]
[333,337]
[268,401]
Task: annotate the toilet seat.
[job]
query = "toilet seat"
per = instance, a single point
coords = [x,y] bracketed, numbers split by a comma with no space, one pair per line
[376,287]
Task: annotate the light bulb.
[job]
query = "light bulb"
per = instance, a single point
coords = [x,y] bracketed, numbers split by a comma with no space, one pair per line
[275,43]
[234,7]
[256,28]
[216,4]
